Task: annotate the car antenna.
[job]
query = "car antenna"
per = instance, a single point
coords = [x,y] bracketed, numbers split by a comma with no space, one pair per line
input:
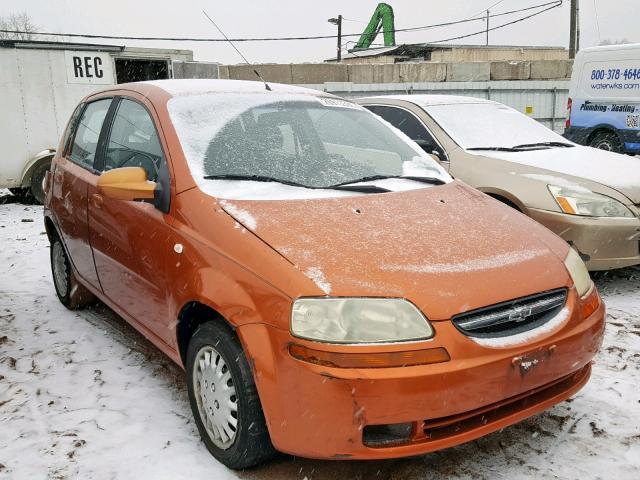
[266,85]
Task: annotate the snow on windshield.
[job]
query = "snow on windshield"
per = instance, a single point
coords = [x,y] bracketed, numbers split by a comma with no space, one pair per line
[306,142]
[477,125]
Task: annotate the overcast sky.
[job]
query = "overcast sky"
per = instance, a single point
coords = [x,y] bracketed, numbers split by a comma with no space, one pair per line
[617,19]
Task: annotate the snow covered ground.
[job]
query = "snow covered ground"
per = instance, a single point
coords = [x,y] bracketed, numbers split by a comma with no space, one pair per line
[82,395]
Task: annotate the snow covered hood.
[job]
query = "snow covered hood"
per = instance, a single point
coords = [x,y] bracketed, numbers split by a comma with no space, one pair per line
[448,249]
[620,172]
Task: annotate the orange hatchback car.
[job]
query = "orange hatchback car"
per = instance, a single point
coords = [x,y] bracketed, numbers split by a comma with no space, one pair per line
[330,291]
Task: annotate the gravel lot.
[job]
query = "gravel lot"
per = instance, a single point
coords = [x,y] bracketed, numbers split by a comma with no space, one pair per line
[82,395]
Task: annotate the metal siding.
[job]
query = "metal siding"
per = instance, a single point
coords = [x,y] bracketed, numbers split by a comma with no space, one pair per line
[517,94]
[13,131]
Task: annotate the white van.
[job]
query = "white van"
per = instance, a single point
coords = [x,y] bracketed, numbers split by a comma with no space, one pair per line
[42,82]
[603,109]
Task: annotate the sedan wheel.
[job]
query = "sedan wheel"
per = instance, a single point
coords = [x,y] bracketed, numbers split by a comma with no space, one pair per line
[60,269]
[224,399]
[216,397]
[70,292]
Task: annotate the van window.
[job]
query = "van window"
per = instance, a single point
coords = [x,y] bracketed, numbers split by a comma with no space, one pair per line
[85,140]
[133,141]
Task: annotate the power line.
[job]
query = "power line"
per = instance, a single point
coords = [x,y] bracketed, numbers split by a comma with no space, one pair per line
[488,8]
[554,4]
[499,26]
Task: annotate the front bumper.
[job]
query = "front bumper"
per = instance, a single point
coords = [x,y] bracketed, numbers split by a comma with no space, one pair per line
[604,243]
[322,412]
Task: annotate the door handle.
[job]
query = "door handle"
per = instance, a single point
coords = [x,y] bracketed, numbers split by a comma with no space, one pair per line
[97,200]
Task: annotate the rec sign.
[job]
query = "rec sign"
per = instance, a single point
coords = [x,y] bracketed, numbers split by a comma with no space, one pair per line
[89,67]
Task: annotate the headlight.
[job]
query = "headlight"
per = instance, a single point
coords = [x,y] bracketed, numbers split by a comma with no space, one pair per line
[575,201]
[358,320]
[578,271]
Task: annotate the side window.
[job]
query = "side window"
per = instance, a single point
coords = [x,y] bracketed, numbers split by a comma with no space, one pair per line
[71,126]
[406,122]
[133,141]
[85,140]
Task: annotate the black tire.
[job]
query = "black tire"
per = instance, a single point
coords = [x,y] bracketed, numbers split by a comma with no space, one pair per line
[251,444]
[37,177]
[70,292]
[19,191]
[606,140]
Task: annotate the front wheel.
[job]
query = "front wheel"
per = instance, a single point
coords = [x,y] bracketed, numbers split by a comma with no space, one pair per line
[70,293]
[224,399]
[606,141]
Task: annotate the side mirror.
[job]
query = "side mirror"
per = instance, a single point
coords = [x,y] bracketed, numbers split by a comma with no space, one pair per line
[126,183]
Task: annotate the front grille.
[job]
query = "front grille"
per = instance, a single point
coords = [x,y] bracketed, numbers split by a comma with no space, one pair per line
[510,318]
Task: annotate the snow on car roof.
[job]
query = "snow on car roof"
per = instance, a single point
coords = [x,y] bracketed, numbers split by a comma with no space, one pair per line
[202,86]
[430,100]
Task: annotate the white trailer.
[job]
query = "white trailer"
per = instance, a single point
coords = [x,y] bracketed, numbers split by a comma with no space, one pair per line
[42,82]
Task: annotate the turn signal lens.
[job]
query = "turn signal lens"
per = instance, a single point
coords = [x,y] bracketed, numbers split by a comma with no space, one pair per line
[590,303]
[369,360]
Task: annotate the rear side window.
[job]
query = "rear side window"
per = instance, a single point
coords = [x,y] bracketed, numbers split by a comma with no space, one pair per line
[133,141]
[85,140]
[73,121]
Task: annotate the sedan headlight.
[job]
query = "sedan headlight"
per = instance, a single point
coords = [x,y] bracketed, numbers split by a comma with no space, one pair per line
[358,320]
[578,271]
[575,201]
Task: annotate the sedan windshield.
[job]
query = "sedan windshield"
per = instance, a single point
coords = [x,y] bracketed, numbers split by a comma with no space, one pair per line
[493,126]
[297,140]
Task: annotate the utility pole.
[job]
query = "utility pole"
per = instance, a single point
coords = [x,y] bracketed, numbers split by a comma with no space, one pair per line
[573,29]
[577,26]
[338,22]
[488,28]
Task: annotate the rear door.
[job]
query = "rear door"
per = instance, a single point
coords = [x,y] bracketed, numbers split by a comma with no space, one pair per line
[132,240]
[75,179]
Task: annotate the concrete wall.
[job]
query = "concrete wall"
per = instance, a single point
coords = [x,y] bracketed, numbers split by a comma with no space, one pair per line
[512,70]
[317,73]
[498,54]
[468,72]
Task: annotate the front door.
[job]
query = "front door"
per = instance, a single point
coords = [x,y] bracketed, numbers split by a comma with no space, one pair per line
[412,126]
[131,240]
[75,179]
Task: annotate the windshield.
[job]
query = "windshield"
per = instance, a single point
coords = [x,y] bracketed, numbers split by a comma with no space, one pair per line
[299,140]
[481,125]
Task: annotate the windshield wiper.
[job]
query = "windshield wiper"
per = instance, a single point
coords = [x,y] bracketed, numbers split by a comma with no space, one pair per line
[545,144]
[263,178]
[496,149]
[255,178]
[431,180]
[361,188]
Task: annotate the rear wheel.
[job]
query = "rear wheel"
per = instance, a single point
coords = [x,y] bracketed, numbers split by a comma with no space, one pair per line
[37,178]
[19,191]
[606,140]
[224,399]
[70,293]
